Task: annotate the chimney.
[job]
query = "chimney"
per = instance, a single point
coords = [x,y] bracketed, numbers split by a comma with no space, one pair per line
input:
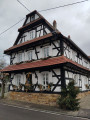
[69,37]
[55,24]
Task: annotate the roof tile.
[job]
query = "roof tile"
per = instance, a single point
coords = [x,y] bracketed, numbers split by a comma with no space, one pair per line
[42,63]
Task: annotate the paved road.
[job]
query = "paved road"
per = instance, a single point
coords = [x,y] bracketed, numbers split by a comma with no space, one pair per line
[14,113]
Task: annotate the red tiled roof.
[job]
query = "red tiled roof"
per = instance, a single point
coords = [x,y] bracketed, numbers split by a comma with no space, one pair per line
[28,42]
[42,63]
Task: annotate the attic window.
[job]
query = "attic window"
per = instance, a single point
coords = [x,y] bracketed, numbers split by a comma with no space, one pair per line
[32,18]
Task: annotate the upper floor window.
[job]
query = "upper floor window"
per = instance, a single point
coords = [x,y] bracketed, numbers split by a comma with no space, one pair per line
[20,57]
[32,34]
[45,80]
[46,52]
[30,55]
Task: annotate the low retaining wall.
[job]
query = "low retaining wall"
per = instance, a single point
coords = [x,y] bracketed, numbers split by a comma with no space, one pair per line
[39,98]
[83,94]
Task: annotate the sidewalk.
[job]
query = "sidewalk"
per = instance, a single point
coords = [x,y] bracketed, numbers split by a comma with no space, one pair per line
[85,113]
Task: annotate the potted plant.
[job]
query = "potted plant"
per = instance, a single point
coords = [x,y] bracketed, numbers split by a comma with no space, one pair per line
[87,86]
[21,87]
[40,86]
[50,86]
[15,88]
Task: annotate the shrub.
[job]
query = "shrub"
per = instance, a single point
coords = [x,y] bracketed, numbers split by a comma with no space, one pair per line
[68,99]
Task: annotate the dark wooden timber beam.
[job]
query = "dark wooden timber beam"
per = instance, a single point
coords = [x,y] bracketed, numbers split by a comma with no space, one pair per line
[63,82]
[62,46]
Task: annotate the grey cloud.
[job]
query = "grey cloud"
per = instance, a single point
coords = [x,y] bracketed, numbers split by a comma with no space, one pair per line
[73,20]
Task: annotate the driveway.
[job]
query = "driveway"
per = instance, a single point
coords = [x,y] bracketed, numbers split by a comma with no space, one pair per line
[19,113]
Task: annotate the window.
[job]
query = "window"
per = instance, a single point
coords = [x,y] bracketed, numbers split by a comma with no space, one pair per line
[20,57]
[45,80]
[32,18]
[46,52]
[30,55]
[32,34]
[18,79]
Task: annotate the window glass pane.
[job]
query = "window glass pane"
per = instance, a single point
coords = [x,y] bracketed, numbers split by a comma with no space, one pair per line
[30,55]
[20,57]
[31,35]
[39,28]
[18,80]
[46,52]
[45,80]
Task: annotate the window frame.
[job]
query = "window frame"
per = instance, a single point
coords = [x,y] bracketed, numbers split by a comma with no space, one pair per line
[30,55]
[45,80]
[20,57]
[46,51]
[18,79]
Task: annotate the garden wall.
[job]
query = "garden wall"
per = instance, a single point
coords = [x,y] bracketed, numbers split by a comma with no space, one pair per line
[39,98]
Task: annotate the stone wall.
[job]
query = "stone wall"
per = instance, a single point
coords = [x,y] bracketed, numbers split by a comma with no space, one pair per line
[39,98]
[83,94]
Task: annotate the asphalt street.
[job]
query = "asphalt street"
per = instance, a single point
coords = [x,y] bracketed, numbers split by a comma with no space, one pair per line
[15,113]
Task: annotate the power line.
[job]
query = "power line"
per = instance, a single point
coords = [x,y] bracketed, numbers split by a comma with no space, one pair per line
[23,5]
[41,11]
[11,26]
[64,5]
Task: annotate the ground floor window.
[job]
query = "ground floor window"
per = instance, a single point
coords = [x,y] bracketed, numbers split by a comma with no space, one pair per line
[18,80]
[45,80]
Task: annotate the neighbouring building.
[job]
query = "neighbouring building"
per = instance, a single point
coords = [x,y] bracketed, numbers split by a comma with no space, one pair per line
[44,60]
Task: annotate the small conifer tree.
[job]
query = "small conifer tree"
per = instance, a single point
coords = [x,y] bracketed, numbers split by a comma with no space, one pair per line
[68,99]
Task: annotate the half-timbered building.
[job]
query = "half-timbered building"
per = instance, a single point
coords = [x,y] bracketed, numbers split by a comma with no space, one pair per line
[42,59]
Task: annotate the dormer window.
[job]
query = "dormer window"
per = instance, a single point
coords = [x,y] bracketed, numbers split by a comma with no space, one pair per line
[30,55]
[46,52]
[20,57]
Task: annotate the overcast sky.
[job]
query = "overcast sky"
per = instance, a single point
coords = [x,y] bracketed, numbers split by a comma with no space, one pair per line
[72,20]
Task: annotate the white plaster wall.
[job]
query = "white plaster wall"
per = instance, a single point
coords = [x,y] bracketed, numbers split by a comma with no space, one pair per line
[84,82]
[76,77]
[15,59]
[54,80]
[28,20]
[52,53]
[72,55]
[55,51]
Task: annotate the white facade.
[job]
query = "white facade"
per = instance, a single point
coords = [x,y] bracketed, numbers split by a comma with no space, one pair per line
[46,50]
[72,54]
[25,55]
[51,79]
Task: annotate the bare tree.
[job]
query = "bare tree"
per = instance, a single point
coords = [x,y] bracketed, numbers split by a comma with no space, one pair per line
[3,76]
[2,63]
